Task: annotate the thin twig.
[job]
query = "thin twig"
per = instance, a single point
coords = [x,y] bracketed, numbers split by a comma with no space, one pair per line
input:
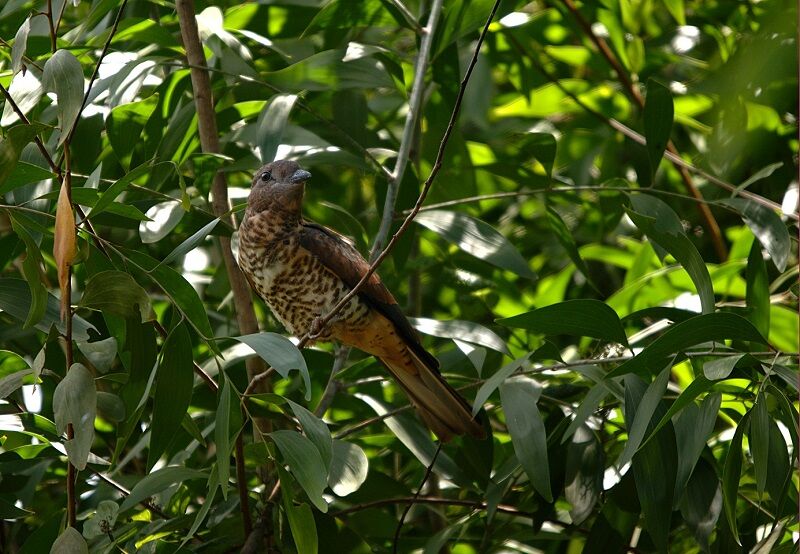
[414,498]
[408,16]
[409,129]
[323,321]
[705,212]
[125,492]
[342,352]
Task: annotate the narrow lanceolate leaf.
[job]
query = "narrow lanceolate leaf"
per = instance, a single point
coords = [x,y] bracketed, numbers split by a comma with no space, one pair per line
[581,317]
[63,75]
[528,434]
[11,147]
[466,331]
[564,237]
[658,115]
[767,226]
[173,391]
[280,353]
[702,503]
[305,463]
[186,246]
[118,293]
[75,402]
[20,43]
[584,474]
[158,481]
[644,414]
[316,430]
[491,384]
[731,474]
[477,238]
[693,426]
[227,426]
[757,295]
[301,519]
[31,268]
[64,245]
[681,336]
[271,123]
[657,458]
[661,225]
[543,148]
[758,438]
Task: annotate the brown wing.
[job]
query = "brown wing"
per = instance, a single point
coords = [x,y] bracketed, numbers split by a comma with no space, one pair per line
[347,263]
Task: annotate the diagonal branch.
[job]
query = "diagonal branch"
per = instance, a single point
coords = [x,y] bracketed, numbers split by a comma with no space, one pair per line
[412,117]
[320,323]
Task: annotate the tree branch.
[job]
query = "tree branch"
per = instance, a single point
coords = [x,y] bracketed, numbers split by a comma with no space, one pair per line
[412,117]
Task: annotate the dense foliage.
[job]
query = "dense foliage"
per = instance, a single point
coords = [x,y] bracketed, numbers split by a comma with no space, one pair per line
[626,319]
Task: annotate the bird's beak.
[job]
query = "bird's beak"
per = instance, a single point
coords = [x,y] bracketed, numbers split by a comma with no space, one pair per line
[299,176]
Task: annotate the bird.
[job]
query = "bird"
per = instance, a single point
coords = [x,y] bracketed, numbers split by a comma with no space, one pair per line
[302,269]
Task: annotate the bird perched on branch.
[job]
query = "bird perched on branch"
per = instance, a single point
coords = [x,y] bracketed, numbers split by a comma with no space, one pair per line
[302,270]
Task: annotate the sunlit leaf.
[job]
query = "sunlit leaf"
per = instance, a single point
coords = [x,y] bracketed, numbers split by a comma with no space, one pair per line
[118,293]
[158,481]
[305,463]
[766,226]
[466,331]
[70,542]
[280,353]
[349,468]
[63,75]
[271,123]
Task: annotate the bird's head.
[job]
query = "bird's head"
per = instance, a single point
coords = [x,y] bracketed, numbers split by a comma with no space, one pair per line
[278,187]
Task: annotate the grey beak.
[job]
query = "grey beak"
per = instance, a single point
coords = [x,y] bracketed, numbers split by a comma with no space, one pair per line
[299,176]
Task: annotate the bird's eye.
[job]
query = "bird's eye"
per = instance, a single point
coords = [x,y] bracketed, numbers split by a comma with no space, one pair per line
[266,176]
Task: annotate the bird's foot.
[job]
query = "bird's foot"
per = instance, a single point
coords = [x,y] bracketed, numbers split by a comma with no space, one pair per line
[315,329]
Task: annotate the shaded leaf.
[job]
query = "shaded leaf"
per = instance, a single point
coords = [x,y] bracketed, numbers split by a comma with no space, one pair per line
[491,384]
[100,353]
[163,218]
[173,392]
[567,242]
[658,115]
[477,238]
[681,336]
[75,402]
[20,43]
[758,439]
[305,463]
[519,397]
[280,353]
[757,296]
[702,503]
[118,293]
[70,542]
[10,149]
[693,427]
[31,269]
[15,300]
[328,71]
[228,425]
[584,474]
[157,482]
[271,123]
[731,474]
[767,226]
[660,223]
[582,317]
[316,430]
[63,75]
[644,414]
[466,331]
[189,244]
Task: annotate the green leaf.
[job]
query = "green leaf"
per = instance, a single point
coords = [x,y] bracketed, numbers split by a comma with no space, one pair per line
[316,430]
[21,174]
[124,126]
[702,503]
[20,43]
[271,123]
[675,8]
[211,491]
[189,244]
[657,457]
[17,138]
[543,147]
[731,474]
[658,115]
[280,353]
[157,482]
[757,296]
[564,237]
[70,542]
[586,408]
[301,519]
[584,474]
[227,427]
[118,293]
[657,220]
[491,384]
[758,438]
[328,71]
[349,468]
[344,14]
[762,173]
[681,336]
[466,331]
[63,75]
[75,402]
[417,439]
[100,353]
[644,414]
[721,368]
[173,393]
[583,317]
[693,427]
[162,219]
[477,238]
[767,226]
[102,521]
[119,186]
[179,291]
[31,269]
[305,463]
[526,427]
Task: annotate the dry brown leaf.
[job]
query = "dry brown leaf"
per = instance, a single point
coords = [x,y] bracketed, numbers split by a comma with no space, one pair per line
[64,245]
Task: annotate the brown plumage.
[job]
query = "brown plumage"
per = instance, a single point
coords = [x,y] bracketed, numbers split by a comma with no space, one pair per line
[302,270]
